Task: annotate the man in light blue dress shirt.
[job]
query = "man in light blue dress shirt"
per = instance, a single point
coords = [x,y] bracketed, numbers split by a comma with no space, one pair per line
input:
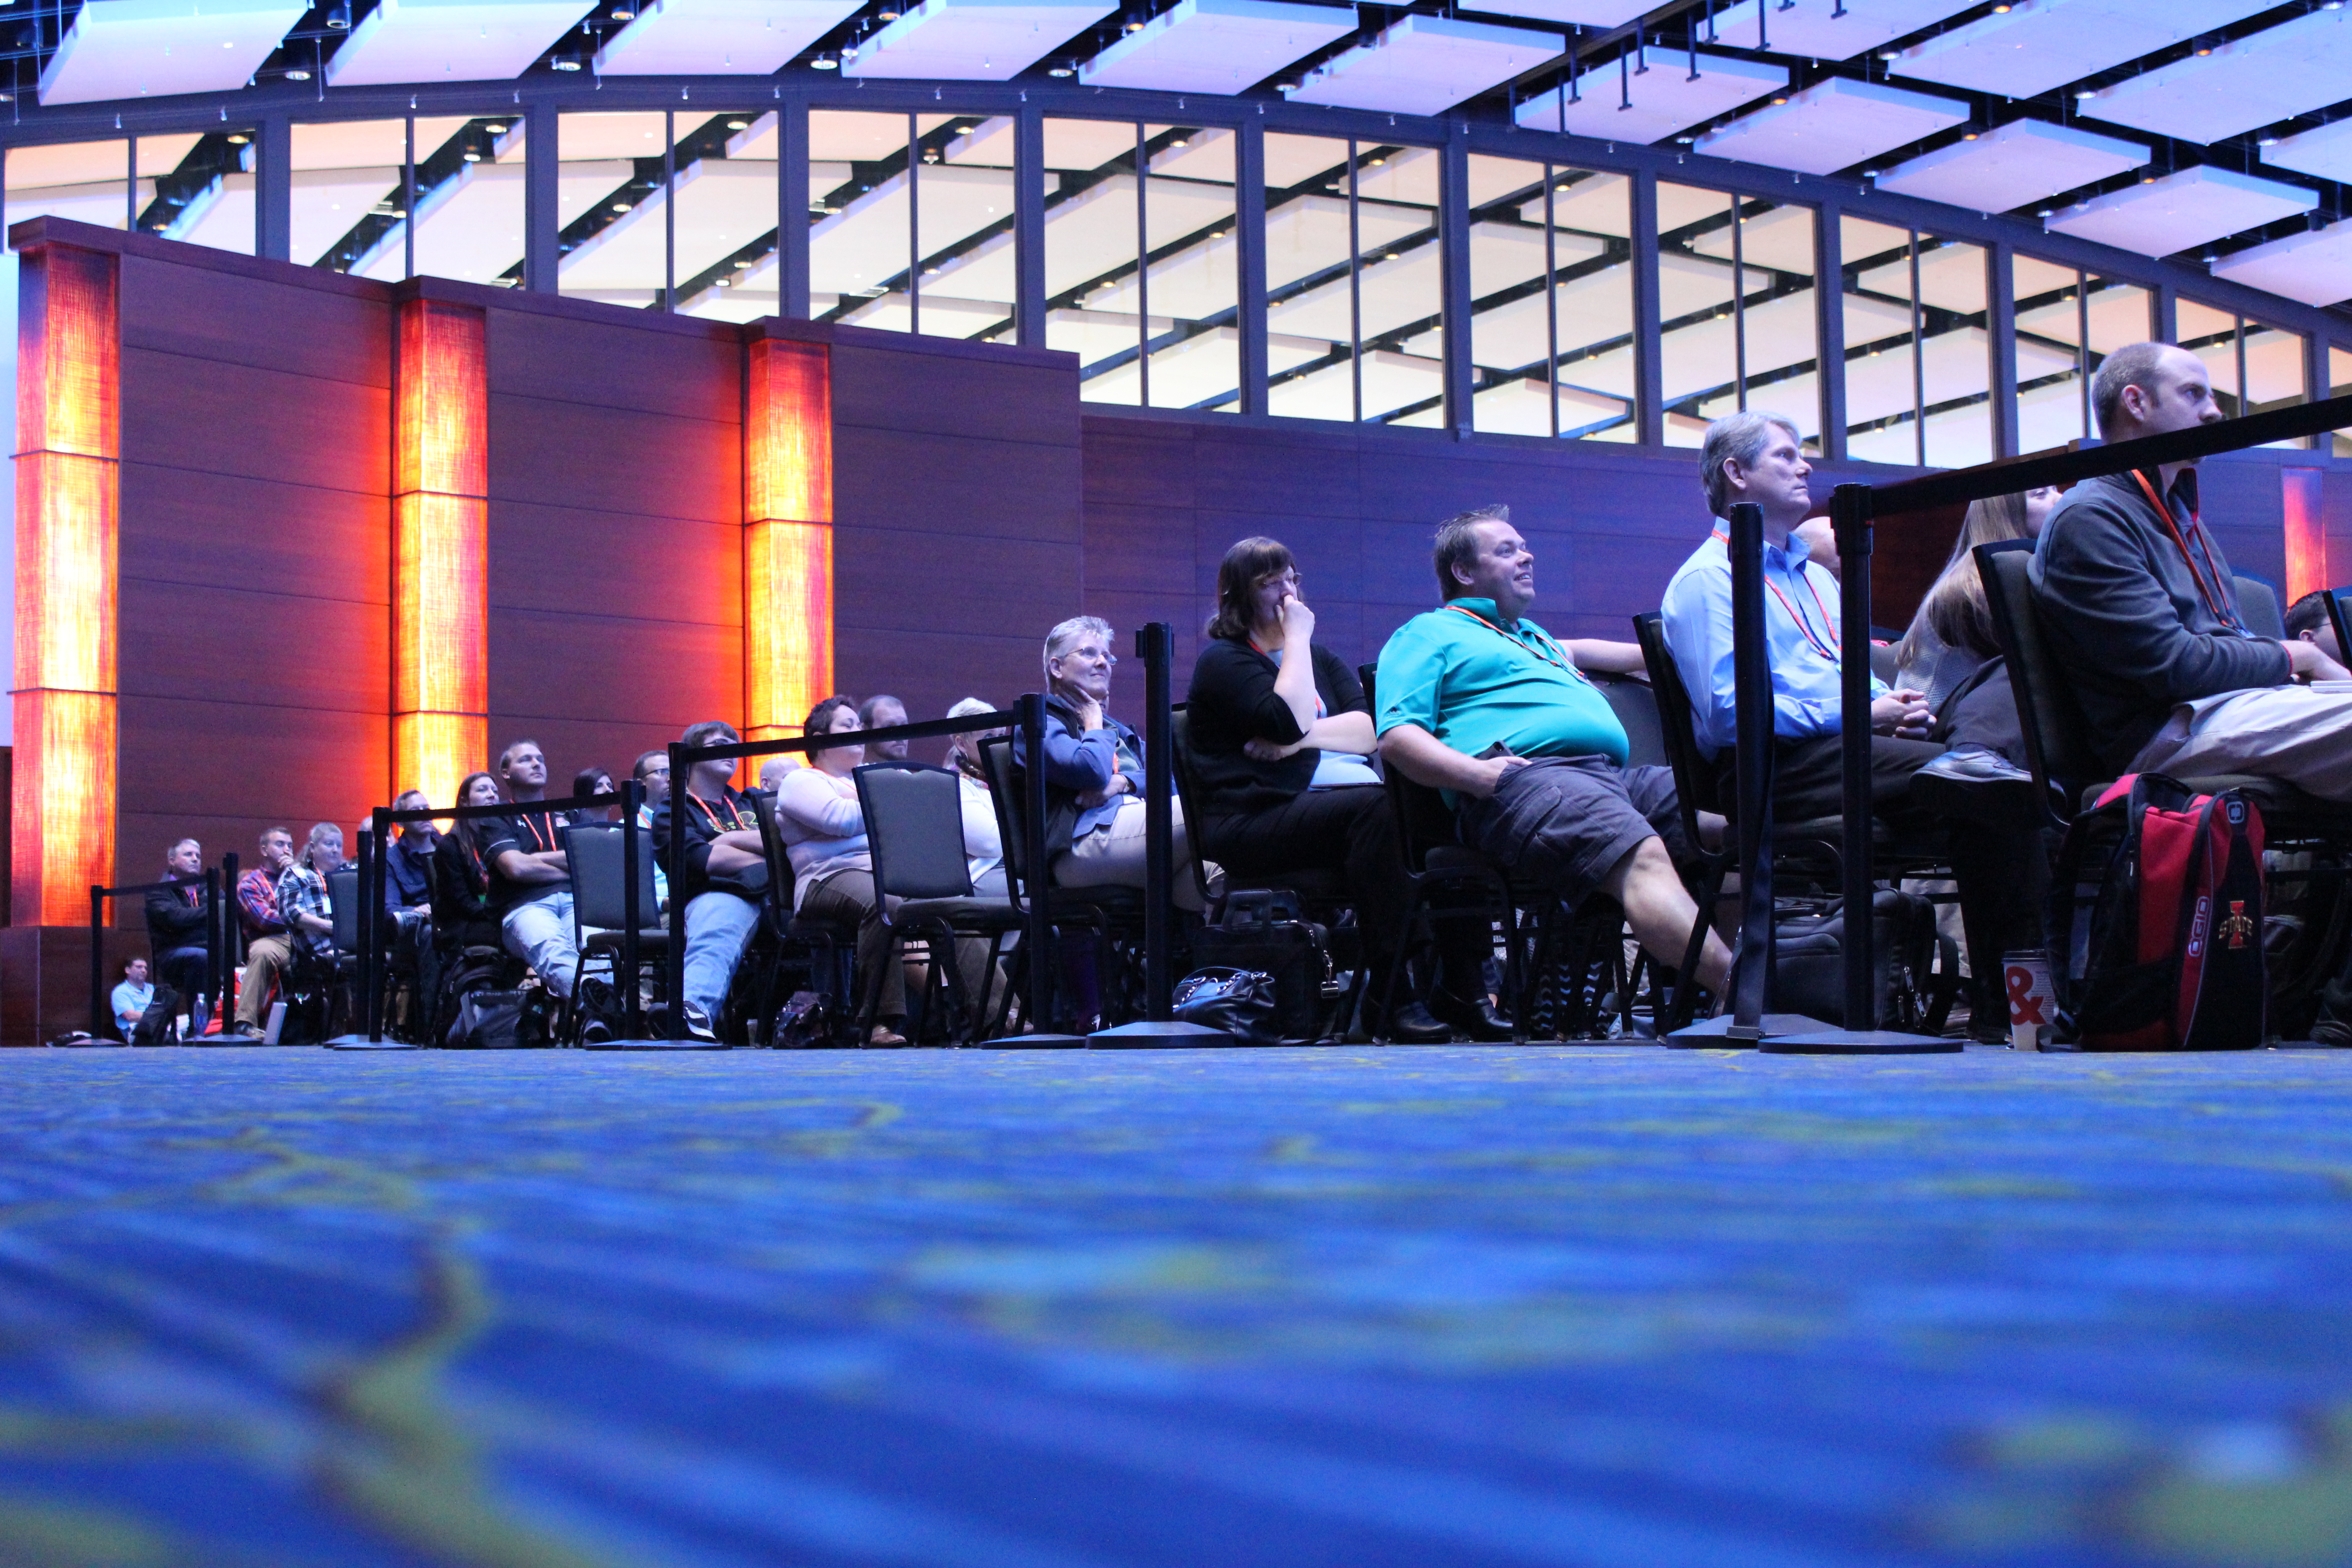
[1758,456]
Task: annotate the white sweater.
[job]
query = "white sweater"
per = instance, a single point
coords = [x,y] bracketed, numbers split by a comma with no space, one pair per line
[822,829]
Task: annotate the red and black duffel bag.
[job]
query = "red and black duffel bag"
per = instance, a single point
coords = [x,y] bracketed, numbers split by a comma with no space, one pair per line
[2162,939]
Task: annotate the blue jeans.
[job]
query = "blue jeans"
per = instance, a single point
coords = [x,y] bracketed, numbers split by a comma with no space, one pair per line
[539,933]
[718,928]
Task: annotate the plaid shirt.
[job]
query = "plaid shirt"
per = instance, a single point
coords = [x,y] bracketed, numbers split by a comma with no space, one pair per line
[302,892]
[257,904]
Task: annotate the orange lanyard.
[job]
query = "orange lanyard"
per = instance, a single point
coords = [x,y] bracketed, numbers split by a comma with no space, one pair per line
[734,813]
[1828,649]
[2214,601]
[532,825]
[1546,650]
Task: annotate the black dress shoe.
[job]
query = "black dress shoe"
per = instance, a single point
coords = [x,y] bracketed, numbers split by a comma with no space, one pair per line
[1409,1025]
[1476,1019]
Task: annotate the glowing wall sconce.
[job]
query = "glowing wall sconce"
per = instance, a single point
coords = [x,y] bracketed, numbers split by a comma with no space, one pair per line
[787,534]
[440,526]
[69,400]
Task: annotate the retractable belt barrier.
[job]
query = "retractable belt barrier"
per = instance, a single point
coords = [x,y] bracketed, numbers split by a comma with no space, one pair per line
[100,1016]
[1852,510]
[1027,716]
[371,868]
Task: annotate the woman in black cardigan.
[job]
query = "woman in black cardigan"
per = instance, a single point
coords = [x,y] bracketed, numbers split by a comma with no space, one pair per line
[1281,748]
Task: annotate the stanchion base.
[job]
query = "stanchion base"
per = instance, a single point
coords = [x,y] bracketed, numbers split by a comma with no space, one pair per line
[1714,1034]
[362,1043]
[658,1046]
[1859,1043]
[1035,1043]
[1167,1035]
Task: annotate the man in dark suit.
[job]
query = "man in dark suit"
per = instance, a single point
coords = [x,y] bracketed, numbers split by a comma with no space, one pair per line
[175,922]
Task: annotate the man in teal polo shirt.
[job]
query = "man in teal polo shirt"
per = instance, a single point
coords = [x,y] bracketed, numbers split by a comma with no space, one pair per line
[1486,706]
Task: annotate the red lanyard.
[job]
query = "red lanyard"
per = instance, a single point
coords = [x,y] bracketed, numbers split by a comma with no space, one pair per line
[1546,650]
[1828,649]
[532,825]
[2214,600]
[734,813]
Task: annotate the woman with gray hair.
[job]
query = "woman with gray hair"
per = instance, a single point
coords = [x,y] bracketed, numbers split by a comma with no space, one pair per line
[1094,770]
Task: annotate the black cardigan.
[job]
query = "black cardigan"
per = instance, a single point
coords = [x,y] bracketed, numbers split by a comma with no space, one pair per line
[1232,700]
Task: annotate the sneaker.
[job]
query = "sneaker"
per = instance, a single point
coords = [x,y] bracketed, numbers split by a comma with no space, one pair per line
[697,1023]
[2331,1032]
[596,1032]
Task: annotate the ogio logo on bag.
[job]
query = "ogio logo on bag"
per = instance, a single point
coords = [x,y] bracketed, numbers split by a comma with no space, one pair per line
[2197,928]
[2235,811]
[2239,926]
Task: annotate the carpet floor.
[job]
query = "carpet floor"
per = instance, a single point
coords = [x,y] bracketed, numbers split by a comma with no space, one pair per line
[1340,1307]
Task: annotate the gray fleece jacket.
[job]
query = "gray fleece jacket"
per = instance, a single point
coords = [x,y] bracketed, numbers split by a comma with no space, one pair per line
[2125,619]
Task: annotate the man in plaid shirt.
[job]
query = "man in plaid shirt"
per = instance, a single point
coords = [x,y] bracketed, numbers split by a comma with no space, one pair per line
[302,892]
[268,955]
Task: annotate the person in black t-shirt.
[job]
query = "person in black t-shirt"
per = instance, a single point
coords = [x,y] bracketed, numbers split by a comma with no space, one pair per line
[724,877]
[531,880]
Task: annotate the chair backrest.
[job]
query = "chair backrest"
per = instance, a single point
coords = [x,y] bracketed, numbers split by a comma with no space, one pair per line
[2258,602]
[1179,735]
[2342,623]
[1004,791]
[914,828]
[1636,707]
[344,905]
[779,903]
[1694,775]
[598,857]
[2052,723]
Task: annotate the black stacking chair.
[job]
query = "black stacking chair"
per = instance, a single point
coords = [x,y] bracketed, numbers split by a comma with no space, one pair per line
[319,1001]
[597,856]
[1450,880]
[2336,618]
[1636,707]
[1112,918]
[826,950]
[914,828]
[1322,894]
[2258,602]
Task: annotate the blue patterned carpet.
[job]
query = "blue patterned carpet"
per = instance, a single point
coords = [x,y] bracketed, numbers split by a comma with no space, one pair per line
[1344,1308]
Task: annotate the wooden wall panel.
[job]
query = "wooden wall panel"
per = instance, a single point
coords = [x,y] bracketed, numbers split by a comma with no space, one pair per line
[211,417]
[201,531]
[547,451]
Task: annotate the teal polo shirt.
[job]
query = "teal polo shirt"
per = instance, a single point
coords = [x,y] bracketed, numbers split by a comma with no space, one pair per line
[1473,680]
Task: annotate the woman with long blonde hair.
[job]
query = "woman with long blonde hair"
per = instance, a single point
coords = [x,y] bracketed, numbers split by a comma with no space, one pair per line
[1951,636]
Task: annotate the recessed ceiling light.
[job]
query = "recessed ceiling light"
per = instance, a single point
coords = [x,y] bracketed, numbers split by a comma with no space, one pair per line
[1890,54]
[2269,142]
[624,14]
[1058,70]
[887,16]
[620,206]
[2001,10]
[564,63]
[719,283]
[1968,135]
[1870,173]
[472,156]
[2086,95]
[738,125]
[2044,212]
[1132,27]
[2202,53]
[239,138]
[1779,100]
[495,129]
[825,63]
[298,76]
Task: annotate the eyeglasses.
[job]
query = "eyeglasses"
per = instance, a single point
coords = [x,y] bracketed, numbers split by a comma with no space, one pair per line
[1282,579]
[1103,654]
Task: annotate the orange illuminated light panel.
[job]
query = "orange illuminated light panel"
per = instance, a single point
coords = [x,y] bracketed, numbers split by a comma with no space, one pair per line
[68,396]
[440,528]
[2306,531]
[787,535]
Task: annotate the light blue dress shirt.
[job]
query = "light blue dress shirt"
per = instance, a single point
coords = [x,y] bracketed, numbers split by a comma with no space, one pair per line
[1800,637]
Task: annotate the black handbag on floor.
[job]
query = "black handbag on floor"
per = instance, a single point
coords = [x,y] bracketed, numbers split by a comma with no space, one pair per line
[1262,931]
[1809,961]
[1240,1002]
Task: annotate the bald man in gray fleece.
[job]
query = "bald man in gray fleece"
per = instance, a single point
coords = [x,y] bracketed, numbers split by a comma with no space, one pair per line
[2138,604]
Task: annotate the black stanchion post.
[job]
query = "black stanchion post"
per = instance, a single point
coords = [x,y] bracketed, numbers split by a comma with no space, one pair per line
[213,938]
[231,979]
[1042,957]
[681,778]
[632,1008]
[375,874]
[1850,513]
[1751,666]
[1751,674]
[1156,644]
[1850,516]
[370,897]
[98,1015]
